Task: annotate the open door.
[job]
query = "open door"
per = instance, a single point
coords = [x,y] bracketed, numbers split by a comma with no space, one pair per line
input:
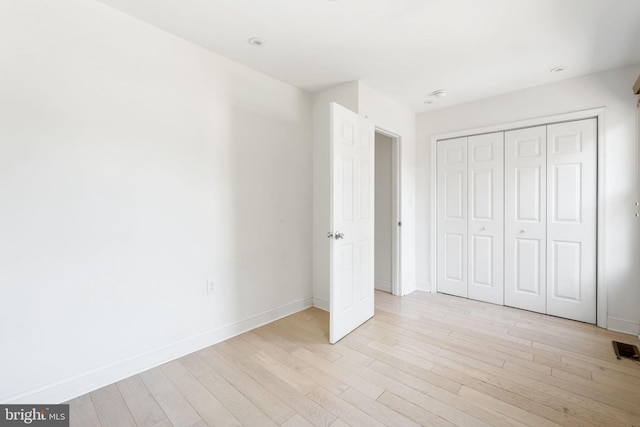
[352,222]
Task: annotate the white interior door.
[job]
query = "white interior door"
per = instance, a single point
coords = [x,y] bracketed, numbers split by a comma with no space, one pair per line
[525,219]
[352,222]
[571,219]
[485,226]
[452,216]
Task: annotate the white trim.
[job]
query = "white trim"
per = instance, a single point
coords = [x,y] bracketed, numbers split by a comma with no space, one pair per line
[423,286]
[434,214]
[625,326]
[94,379]
[597,113]
[538,121]
[601,283]
[321,303]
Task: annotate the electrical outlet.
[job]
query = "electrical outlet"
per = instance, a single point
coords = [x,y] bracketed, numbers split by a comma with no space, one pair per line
[211,287]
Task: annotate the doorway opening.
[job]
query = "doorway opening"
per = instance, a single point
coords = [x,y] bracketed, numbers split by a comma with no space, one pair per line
[387,212]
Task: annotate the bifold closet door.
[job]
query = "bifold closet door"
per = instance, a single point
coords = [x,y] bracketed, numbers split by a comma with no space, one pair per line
[485,222]
[550,219]
[525,214]
[571,219]
[452,216]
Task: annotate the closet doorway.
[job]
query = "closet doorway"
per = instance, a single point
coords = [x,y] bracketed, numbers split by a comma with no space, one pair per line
[516,217]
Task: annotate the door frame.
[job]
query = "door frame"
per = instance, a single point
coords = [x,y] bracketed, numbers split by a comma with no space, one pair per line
[396,213]
[599,115]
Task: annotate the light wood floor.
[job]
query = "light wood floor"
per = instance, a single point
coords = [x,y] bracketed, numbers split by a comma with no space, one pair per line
[425,359]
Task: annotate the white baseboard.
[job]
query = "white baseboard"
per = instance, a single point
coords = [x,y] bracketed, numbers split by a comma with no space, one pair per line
[408,288]
[624,326]
[383,285]
[321,303]
[423,286]
[78,385]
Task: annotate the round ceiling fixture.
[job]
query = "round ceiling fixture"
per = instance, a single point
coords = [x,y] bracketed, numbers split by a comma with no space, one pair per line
[440,93]
[557,69]
[434,96]
[256,41]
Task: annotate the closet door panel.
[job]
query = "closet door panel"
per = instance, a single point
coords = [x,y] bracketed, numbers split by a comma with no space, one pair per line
[452,216]
[485,223]
[571,219]
[525,218]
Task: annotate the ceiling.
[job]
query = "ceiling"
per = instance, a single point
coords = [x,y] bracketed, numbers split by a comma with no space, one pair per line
[407,49]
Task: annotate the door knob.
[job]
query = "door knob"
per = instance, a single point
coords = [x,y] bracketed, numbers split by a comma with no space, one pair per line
[524,230]
[339,235]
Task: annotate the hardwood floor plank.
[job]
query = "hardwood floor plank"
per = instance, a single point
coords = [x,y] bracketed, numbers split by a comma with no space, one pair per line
[402,353]
[565,343]
[515,413]
[267,345]
[82,413]
[111,408]
[611,367]
[195,364]
[322,379]
[295,337]
[310,410]
[143,406]
[342,409]
[375,409]
[206,404]
[284,373]
[412,411]
[587,409]
[621,383]
[554,364]
[262,398]
[242,408]
[342,373]
[411,368]
[602,393]
[424,359]
[243,345]
[296,421]
[558,414]
[449,405]
[524,351]
[175,406]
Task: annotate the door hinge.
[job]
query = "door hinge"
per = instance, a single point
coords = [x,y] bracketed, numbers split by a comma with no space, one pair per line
[399,223]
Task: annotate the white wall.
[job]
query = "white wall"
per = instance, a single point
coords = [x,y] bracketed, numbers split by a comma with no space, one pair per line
[383,212]
[610,89]
[135,166]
